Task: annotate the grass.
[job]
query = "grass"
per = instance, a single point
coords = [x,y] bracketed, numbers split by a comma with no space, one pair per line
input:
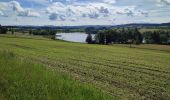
[24,80]
[127,73]
[21,35]
[148,29]
[165,48]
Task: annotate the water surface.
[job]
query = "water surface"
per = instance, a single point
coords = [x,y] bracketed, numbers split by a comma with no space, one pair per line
[73,37]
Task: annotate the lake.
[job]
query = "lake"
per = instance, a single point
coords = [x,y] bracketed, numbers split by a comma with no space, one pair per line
[73,37]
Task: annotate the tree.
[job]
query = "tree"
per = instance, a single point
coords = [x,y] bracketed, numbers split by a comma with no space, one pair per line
[30,32]
[89,39]
[137,36]
[100,37]
[156,37]
[3,30]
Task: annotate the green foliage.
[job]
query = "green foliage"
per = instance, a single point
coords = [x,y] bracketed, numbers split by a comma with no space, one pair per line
[119,36]
[123,35]
[3,30]
[44,32]
[157,37]
[89,39]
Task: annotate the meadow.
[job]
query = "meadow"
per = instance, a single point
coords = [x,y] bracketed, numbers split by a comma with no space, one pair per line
[22,79]
[120,71]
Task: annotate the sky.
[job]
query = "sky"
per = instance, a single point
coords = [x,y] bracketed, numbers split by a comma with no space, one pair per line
[83,12]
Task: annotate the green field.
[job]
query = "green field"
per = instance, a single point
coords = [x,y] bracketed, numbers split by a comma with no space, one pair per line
[21,79]
[123,72]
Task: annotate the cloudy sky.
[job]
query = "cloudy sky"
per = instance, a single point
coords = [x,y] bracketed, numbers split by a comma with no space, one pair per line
[83,12]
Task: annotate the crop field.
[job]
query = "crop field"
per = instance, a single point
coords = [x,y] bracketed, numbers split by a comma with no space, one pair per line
[123,72]
[165,48]
[24,80]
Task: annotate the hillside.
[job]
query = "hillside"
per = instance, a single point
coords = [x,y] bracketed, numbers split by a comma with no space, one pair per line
[127,73]
[22,79]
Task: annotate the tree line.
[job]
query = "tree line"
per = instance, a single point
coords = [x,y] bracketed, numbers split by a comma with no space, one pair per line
[129,36]
[42,32]
[157,37]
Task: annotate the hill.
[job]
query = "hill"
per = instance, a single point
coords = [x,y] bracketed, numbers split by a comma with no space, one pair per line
[123,72]
[144,25]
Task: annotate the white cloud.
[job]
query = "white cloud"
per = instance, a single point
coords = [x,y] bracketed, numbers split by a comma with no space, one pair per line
[3,5]
[87,1]
[28,13]
[163,2]
[110,1]
[90,10]
[18,9]
[16,6]
[1,13]
[83,11]
[55,16]
[40,2]
[73,19]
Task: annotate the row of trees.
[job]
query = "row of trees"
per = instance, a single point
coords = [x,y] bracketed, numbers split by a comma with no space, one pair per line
[42,32]
[128,36]
[3,30]
[117,36]
[157,37]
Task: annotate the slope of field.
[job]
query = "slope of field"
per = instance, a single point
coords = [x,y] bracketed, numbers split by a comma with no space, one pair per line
[165,48]
[128,73]
[24,80]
